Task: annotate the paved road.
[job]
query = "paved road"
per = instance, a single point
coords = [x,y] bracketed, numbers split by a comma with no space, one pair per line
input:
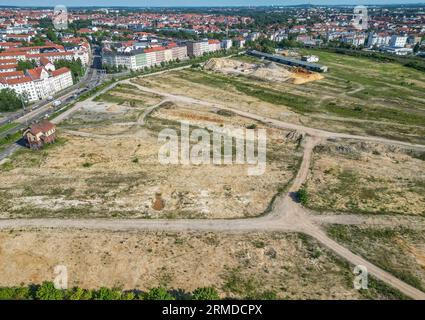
[8,151]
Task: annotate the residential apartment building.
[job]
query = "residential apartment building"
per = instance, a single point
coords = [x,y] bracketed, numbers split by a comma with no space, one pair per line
[197,48]
[239,42]
[378,40]
[38,83]
[226,44]
[398,41]
[138,59]
[179,52]
[214,45]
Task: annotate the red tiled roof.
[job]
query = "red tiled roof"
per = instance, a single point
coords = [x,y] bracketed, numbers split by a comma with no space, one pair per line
[8,61]
[8,66]
[44,61]
[9,44]
[60,71]
[12,74]
[19,49]
[16,81]
[42,127]
[153,49]
[12,54]
[35,73]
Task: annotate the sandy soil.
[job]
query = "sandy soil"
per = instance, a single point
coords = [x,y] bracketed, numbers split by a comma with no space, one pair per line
[235,264]
[110,170]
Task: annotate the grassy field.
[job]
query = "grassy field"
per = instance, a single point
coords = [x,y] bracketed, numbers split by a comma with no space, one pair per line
[356,92]
[8,126]
[367,179]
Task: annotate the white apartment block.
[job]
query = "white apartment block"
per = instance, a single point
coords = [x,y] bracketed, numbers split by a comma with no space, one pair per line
[197,48]
[214,45]
[226,44]
[148,57]
[378,40]
[398,41]
[179,52]
[39,83]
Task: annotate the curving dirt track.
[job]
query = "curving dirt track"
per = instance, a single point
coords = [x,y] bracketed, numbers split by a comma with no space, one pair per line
[287,215]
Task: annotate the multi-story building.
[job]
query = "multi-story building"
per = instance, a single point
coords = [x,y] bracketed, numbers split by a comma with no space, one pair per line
[226,44]
[239,42]
[398,41]
[179,52]
[197,48]
[38,83]
[378,40]
[214,45]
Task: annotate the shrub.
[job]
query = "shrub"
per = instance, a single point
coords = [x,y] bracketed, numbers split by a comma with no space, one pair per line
[107,294]
[158,294]
[302,196]
[207,293]
[47,291]
[79,294]
[15,293]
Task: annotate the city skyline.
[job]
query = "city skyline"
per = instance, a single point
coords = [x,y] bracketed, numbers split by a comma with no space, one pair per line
[198,3]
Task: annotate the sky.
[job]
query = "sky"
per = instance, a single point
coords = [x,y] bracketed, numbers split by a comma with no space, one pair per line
[168,3]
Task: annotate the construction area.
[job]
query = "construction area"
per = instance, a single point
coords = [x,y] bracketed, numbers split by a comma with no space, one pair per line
[268,71]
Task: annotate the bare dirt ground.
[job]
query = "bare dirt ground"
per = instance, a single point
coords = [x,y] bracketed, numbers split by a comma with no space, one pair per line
[367,178]
[264,71]
[240,266]
[286,215]
[107,166]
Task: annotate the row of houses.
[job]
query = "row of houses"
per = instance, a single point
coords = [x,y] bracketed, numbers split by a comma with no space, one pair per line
[136,57]
[141,58]
[38,83]
[17,55]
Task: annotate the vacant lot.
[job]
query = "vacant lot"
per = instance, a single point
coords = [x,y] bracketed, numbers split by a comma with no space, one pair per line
[367,178]
[106,165]
[398,250]
[357,96]
[285,266]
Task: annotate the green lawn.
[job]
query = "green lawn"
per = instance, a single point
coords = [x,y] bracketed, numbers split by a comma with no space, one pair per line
[8,126]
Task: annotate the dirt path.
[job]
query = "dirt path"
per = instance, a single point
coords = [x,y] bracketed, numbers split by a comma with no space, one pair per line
[277,123]
[287,215]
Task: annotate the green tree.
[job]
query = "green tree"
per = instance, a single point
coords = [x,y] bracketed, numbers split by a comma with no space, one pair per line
[207,293]
[302,196]
[79,294]
[47,291]
[9,100]
[51,35]
[75,66]
[158,294]
[417,48]
[107,294]
[24,65]
[15,293]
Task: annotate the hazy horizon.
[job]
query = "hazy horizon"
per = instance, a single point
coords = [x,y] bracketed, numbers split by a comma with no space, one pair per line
[196,3]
